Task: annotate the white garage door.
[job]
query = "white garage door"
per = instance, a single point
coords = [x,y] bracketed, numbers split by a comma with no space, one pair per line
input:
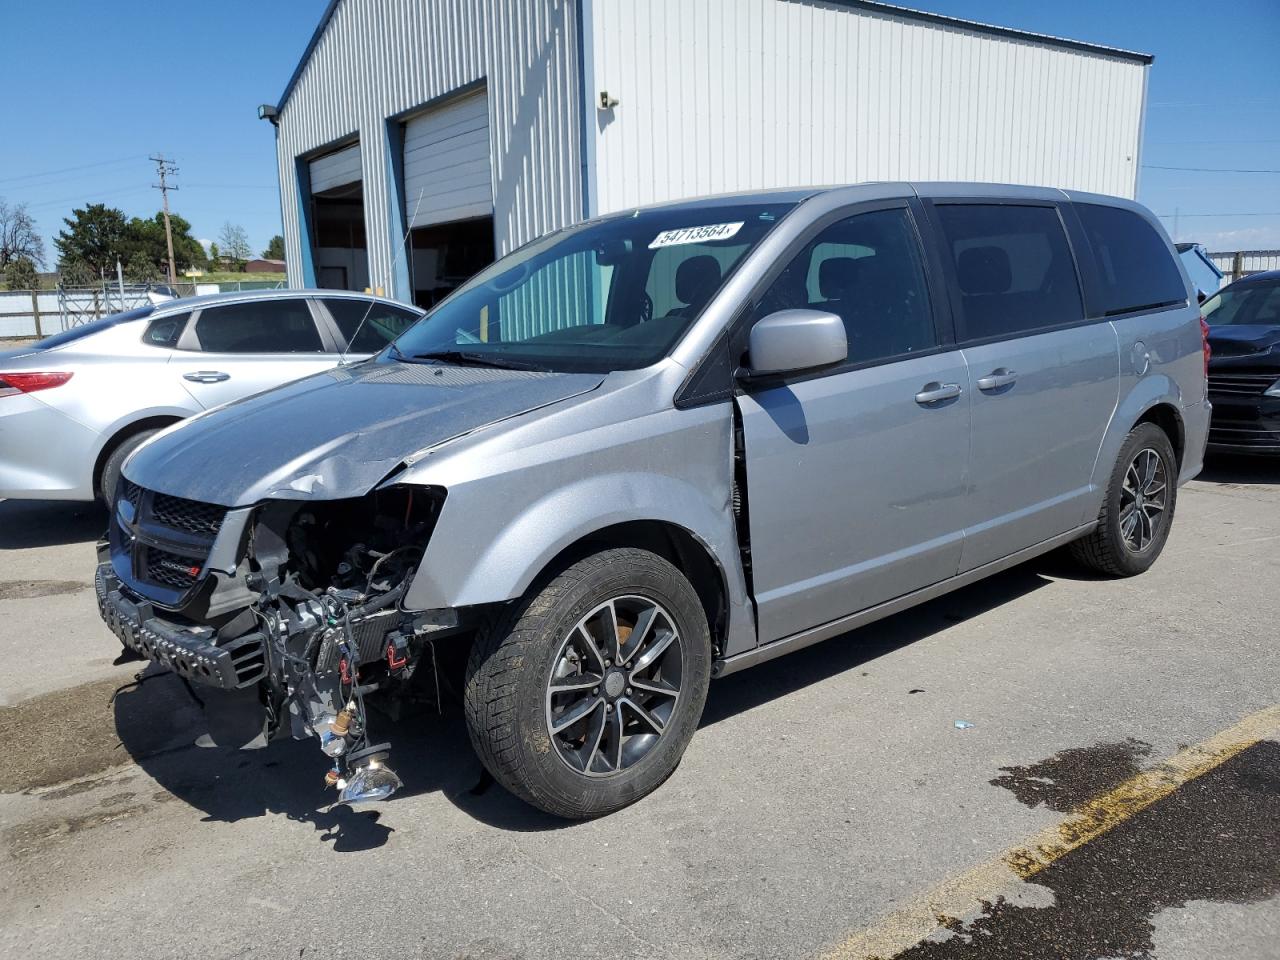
[447,175]
[337,169]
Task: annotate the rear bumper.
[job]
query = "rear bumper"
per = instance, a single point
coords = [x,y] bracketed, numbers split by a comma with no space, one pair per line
[193,652]
[1195,423]
[44,454]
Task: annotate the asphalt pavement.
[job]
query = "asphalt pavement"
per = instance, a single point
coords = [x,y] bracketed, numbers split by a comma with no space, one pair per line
[829,801]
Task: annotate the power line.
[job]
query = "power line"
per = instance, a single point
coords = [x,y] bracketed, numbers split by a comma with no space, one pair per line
[1153,166]
[84,166]
[80,198]
[233,186]
[1169,216]
[1162,143]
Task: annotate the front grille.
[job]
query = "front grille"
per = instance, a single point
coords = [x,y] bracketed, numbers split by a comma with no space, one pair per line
[1240,384]
[1244,435]
[169,569]
[188,515]
[131,492]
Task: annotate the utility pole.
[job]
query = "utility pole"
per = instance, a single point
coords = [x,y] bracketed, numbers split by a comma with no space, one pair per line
[166,168]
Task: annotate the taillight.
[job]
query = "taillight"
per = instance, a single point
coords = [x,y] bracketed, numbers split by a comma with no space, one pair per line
[1204,344]
[15,383]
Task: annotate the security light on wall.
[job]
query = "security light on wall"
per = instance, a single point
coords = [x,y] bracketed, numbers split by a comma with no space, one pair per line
[268,111]
[607,102]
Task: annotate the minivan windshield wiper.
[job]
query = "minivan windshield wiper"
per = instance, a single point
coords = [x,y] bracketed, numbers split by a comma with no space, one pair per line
[465,358]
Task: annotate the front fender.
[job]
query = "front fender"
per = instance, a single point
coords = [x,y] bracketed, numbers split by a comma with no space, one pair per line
[461,570]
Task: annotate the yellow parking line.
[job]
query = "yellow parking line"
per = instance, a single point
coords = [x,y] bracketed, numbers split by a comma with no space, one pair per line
[964,893]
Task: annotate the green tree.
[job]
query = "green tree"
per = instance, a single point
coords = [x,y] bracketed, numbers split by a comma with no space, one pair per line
[76,273]
[142,269]
[275,249]
[96,236]
[215,257]
[20,274]
[147,240]
[235,244]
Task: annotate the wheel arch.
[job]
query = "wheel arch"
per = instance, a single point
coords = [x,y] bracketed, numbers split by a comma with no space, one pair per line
[465,567]
[1168,418]
[122,432]
[675,544]
[1155,399]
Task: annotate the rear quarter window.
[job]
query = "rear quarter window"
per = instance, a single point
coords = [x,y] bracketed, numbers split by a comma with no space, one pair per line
[165,331]
[1133,265]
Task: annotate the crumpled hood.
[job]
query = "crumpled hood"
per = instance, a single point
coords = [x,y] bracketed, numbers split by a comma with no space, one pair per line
[337,434]
[1232,340]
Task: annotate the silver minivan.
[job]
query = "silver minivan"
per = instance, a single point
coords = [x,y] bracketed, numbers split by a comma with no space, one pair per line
[659,447]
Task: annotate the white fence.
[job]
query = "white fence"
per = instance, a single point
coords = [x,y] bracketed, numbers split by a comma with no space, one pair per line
[28,314]
[1244,262]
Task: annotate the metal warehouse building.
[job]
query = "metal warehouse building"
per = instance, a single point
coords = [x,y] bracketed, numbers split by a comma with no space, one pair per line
[471,126]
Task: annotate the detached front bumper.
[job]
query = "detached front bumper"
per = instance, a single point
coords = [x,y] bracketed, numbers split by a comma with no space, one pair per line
[190,651]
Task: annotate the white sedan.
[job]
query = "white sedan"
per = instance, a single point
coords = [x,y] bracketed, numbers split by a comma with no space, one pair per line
[75,405]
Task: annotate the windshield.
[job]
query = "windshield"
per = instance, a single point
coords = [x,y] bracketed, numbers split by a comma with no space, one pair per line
[92,327]
[614,294]
[1245,303]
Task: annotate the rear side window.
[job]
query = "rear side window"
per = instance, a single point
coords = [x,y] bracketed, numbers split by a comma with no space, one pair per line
[368,325]
[1013,268]
[259,326]
[165,331]
[1134,267]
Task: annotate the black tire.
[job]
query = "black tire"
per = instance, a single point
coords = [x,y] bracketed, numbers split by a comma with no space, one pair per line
[519,654]
[1109,549]
[110,477]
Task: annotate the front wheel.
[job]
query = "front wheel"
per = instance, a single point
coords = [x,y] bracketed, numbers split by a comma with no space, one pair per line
[582,698]
[111,467]
[1138,510]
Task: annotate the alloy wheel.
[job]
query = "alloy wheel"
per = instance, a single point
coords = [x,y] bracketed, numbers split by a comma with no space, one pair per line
[614,685]
[1144,498]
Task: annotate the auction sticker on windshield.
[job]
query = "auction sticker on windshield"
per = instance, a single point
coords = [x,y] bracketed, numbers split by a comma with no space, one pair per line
[711,231]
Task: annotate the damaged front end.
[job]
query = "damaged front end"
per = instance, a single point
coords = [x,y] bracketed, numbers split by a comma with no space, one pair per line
[294,606]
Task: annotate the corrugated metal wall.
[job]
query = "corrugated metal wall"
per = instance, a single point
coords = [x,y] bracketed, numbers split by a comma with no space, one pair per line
[382,58]
[724,95]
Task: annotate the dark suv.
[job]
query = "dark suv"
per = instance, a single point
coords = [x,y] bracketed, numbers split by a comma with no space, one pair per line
[1244,374]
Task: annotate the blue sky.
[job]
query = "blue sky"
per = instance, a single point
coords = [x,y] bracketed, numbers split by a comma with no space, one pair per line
[98,87]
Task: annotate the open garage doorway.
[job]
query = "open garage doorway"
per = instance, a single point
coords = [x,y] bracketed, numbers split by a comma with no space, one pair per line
[446,255]
[339,251]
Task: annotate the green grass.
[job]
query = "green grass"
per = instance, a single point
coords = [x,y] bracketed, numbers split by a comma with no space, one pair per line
[233,277]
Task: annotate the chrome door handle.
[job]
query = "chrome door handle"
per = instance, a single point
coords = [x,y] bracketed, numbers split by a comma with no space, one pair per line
[997,378]
[936,392]
[206,376]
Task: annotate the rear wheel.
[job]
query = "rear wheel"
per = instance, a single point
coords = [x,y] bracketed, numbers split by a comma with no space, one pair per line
[110,478]
[1138,510]
[583,697]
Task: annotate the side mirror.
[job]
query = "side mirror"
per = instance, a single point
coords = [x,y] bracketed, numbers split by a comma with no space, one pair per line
[793,340]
